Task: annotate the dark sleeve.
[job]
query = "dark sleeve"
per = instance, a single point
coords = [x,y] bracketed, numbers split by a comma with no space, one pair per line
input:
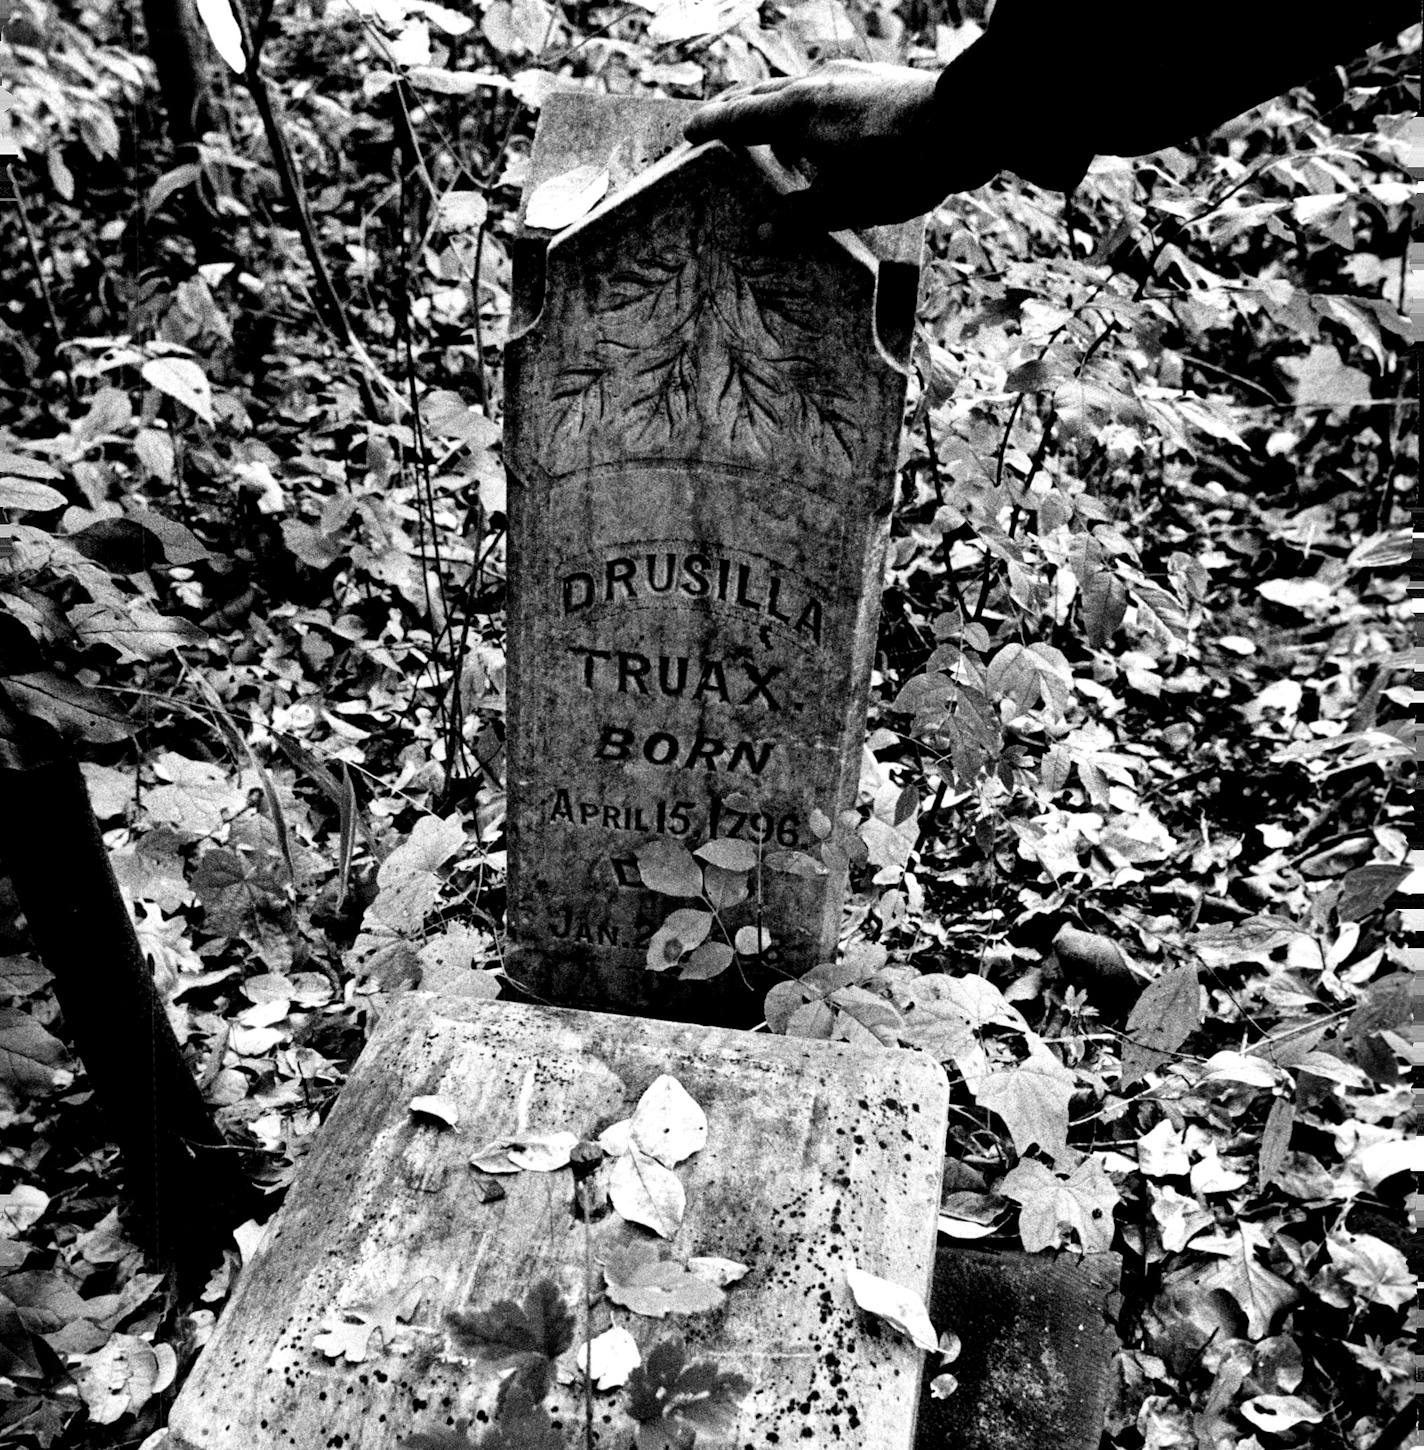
[1062,81]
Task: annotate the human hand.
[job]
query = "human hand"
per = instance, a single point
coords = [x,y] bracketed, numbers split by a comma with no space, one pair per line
[868,137]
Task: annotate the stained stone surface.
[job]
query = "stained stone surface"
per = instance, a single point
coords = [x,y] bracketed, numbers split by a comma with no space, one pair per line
[815,1151]
[1037,1350]
[701,436]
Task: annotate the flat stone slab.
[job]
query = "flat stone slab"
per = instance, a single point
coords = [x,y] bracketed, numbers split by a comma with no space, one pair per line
[815,1152]
[1038,1346]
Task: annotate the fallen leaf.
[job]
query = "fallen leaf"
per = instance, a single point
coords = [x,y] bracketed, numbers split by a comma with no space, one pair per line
[1053,1205]
[347,1332]
[898,1306]
[655,1286]
[535,1152]
[642,1190]
[720,1272]
[1161,1153]
[562,200]
[1278,1413]
[1260,1293]
[123,1376]
[1031,1097]
[667,1124]
[20,1207]
[182,379]
[1377,1269]
[1161,1020]
[609,1358]
[441,1109]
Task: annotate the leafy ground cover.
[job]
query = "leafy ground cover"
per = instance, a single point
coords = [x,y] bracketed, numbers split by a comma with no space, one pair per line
[1133,801]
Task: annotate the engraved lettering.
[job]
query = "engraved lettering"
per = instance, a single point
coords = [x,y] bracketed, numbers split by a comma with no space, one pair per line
[614,743]
[589,656]
[754,758]
[705,748]
[588,811]
[666,584]
[773,598]
[713,681]
[660,748]
[619,571]
[632,666]
[578,591]
[563,806]
[665,684]
[811,619]
[744,579]
[759,681]
[695,568]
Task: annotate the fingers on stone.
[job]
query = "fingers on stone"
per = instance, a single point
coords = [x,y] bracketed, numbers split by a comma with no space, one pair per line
[750,120]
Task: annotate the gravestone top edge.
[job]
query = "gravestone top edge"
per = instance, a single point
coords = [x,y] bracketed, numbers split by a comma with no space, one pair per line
[633,135]
[416,1004]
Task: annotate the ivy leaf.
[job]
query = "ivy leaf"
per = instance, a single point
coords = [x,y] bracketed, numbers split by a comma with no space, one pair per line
[541,1326]
[1163,1017]
[1031,1097]
[1260,1293]
[667,867]
[1053,1205]
[1323,380]
[1376,1269]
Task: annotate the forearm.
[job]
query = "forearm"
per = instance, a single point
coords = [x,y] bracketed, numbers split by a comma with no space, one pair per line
[1062,82]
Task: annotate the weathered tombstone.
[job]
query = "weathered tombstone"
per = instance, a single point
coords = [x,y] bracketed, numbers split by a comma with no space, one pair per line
[817,1154]
[701,435]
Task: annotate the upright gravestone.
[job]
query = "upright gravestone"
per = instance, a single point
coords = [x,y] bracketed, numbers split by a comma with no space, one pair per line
[701,436]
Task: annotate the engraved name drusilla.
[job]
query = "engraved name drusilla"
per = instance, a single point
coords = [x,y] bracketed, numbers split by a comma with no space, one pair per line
[759,586]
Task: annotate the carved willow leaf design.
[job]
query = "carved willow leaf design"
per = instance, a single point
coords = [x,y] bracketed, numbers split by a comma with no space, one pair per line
[688,334]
